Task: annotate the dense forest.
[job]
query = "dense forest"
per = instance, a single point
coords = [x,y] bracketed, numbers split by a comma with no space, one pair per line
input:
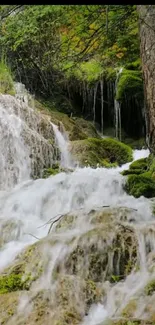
[72,54]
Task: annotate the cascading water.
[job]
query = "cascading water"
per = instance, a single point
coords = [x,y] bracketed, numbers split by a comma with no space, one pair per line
[24,137]
[27,210]
[117,109]
[62,142]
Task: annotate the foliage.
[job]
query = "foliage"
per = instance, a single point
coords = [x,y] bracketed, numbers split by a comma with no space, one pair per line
[49,42]
[6,81]
[12,282]
[62,52]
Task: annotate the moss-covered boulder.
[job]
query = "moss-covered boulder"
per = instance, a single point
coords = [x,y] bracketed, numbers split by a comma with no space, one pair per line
[141,178]
[106,252]
[58,278]
[86,127]
[130,81]
[33,292]
[76,128]
[138,167]
[105,152]
[140,185]
[140,164]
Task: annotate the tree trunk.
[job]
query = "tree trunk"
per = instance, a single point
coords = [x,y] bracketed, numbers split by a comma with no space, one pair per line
[147,49]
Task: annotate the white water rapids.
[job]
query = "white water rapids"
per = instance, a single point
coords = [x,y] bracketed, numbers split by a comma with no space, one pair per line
[31,203]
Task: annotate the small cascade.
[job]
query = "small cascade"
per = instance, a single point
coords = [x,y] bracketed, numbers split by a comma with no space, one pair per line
[117,109]
[24,139]
[62,143]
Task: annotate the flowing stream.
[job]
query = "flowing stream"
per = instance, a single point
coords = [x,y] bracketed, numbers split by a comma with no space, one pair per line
[26,205]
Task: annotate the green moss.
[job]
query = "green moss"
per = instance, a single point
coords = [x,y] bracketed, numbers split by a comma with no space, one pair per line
[138,167]
[12,282]
[92,293]
[129,83]
[129,309]
[87,128]
[107,164]
[132,172]
[141,178]
[6,81]
[140,164]
[150,288]
[50,172]
[56,169]
[140,185]
[101,152]
[89,71]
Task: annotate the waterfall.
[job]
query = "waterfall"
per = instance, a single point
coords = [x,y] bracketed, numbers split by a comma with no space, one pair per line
[62,143]
[25,147]
[68,207]
[117,109]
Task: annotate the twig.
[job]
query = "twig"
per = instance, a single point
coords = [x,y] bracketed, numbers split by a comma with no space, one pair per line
[32,235]
[128,208]
[62,215]
[50,220]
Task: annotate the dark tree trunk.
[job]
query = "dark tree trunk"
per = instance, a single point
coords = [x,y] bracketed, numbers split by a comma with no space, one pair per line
[147,49]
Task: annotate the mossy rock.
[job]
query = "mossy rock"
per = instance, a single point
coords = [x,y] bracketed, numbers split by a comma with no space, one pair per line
[87,128]
[141,178]
[138,167]
[130,321]
[78,275]
[47,172]
[26,268]
[101,152]
[69,301]
[129,309]
[129,83]
[132,172]
[94,251]
[150,288]
[13,282]
[140,185]
[140,164]
[76,128]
